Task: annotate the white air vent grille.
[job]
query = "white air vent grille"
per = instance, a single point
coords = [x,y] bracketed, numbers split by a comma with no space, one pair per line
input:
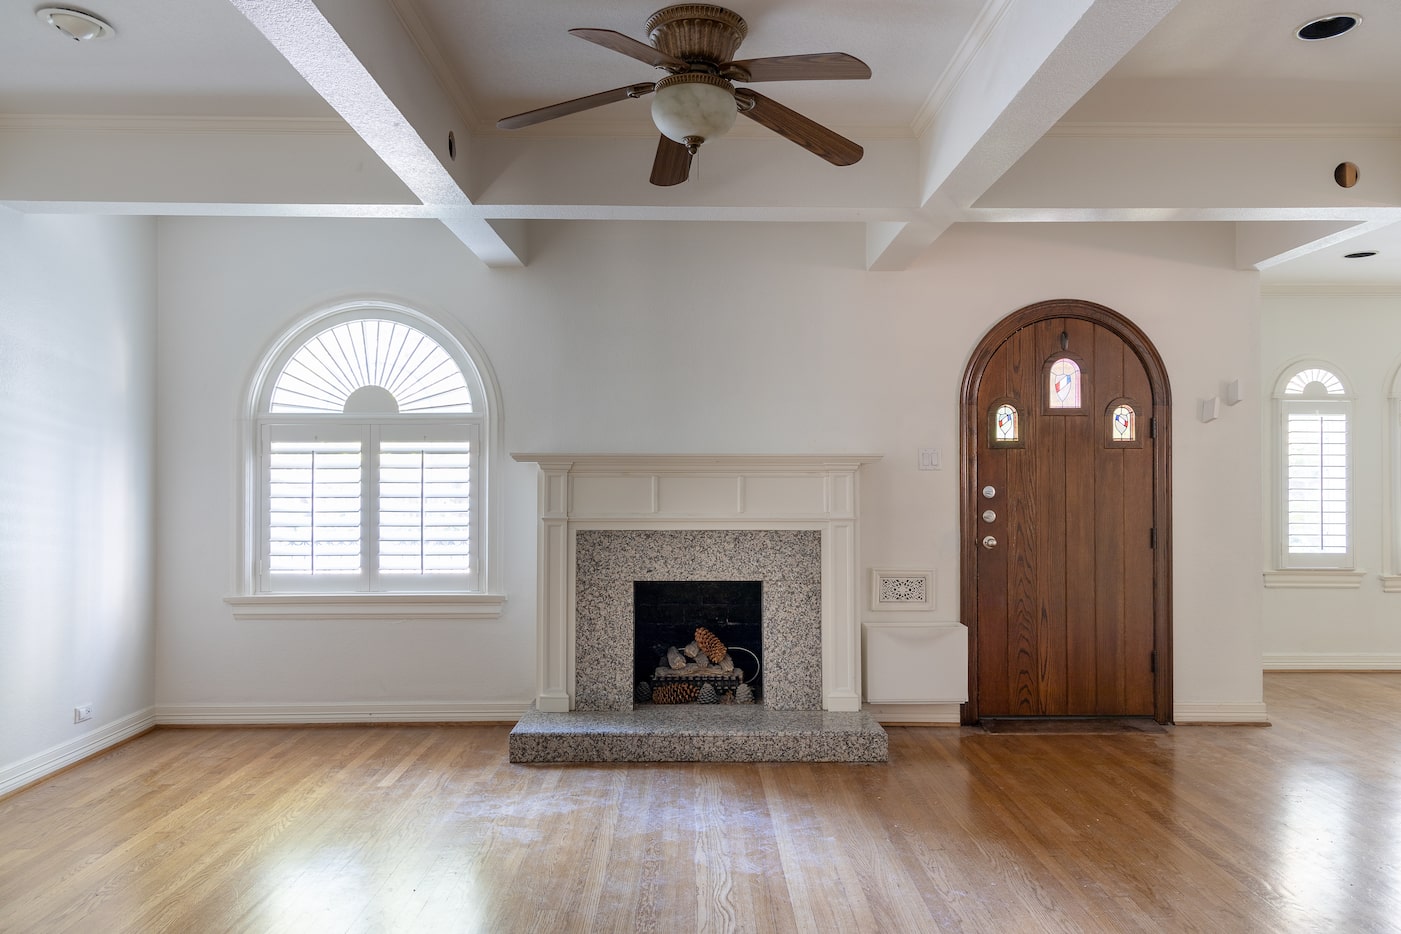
[902,590]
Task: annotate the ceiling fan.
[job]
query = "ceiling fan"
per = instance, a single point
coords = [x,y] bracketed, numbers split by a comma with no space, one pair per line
[696,101]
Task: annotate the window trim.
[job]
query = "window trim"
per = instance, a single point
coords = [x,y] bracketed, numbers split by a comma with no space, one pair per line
[1391,490]
[1319,566]
[487,598]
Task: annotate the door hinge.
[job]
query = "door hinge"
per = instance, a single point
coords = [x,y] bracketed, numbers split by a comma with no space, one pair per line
[1153,662]
[1153,427]
[1153,538]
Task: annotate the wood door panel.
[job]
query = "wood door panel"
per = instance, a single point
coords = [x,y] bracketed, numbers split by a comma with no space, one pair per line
[1049,520]
[994,669]
[1066,602]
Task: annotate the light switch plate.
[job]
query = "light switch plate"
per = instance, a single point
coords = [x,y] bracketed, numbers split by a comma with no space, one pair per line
[929,459]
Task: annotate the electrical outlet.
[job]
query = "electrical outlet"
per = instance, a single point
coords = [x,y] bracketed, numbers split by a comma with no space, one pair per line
[82,713]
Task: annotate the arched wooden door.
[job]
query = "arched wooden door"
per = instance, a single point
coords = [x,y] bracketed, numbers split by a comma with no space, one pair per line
[1065,518]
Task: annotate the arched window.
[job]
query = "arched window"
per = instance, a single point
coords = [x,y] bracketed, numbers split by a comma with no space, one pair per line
[371,434]
[1314,496]
[1123,424]
[1004,425]
[1063,384]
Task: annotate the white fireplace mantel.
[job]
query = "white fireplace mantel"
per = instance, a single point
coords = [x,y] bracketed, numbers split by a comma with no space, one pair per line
[692,491]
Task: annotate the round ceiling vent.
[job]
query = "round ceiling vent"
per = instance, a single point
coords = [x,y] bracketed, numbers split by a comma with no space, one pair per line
[1327,27]
[75,24]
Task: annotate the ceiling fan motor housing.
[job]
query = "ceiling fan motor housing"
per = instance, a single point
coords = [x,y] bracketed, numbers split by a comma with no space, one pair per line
[697,33]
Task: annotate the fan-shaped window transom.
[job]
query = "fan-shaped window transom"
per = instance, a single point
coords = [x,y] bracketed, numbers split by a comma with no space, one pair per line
[328,373]
[1301,382]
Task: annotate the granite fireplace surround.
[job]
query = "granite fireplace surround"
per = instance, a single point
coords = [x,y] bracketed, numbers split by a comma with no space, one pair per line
[787,563]
[608,521]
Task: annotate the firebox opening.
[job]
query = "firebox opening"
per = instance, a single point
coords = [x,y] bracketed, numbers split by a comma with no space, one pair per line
[667,615]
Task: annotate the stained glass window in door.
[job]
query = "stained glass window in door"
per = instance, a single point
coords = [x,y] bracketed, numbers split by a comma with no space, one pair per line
[1006,426]
[1123,425]
[1065,384]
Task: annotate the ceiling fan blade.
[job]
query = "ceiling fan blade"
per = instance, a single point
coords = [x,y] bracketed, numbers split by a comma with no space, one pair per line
[812,136]
[631,47]
[820,66]
[673,163]
[564,108]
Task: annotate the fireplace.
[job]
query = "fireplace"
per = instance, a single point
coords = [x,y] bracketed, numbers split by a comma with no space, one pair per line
[611,524]
[688,635]
[610,564]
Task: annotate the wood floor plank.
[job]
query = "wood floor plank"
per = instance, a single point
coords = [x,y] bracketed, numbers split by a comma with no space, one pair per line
[430,828]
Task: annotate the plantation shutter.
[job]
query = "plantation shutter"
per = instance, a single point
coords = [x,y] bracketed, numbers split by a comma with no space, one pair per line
[425,507]
[1316,485]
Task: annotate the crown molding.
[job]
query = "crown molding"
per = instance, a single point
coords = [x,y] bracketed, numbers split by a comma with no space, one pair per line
[973,41]
[643,128]
[1331,288]
[1230,131]
[113,123]
[423,36]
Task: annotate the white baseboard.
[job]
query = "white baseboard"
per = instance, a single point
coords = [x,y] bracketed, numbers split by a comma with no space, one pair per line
[56,758]
[914,714]
[1332,662]
[1219,713]
[367,712]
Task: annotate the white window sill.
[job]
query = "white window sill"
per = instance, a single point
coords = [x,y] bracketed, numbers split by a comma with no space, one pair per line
[1316,578]
[1391,583]
[375,606]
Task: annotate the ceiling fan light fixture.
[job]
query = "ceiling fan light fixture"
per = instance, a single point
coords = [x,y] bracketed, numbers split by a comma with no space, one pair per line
[75,24]
[693,107]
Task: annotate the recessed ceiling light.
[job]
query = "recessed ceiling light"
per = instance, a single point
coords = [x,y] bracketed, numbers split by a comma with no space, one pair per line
[1326,27]
[75,24]
[1363,254]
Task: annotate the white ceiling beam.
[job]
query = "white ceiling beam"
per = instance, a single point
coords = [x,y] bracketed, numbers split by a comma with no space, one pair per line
[1186,169]
[1019,70]
[891,246]
[197,160]
[1264,244]
[358,57]
[221,209]
[764,171]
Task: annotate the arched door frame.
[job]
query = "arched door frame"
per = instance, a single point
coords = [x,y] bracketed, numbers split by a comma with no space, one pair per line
[969,510]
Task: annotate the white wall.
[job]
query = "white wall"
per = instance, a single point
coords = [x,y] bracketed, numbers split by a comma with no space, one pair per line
[77,377]
[1360,334]
[613,340]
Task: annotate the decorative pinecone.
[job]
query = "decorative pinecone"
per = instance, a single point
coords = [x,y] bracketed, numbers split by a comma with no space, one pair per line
[707,694]
[710,644]
[642,693]
[744,694]
[680,692]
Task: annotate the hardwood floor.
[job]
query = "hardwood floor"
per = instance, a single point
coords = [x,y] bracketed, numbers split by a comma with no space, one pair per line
[1292,828]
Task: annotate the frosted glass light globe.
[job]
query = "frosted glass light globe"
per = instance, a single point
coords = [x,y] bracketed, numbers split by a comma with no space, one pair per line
[692,108]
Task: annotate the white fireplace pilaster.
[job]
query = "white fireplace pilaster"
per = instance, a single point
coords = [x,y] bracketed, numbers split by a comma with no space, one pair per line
[621,491]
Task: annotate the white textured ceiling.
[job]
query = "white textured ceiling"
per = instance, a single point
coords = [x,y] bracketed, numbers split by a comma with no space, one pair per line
[1239,62]
[187,58]
[510,56]
[978,111]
